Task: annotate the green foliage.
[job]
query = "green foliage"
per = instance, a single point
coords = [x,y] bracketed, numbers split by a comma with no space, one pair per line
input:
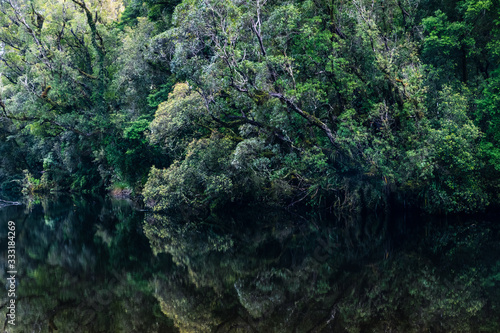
[458,186]
[197,182]
[341,105]
[161,94]
[488,117]
[179,120]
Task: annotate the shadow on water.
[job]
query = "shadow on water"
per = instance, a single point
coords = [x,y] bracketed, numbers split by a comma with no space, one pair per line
[98,265]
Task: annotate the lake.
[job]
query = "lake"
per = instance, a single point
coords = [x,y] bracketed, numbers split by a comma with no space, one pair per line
[91,264]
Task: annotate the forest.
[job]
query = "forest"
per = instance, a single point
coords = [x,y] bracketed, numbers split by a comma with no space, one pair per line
[199,105]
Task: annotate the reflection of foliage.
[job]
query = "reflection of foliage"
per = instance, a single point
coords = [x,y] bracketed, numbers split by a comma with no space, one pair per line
[258,264]
[69,279]
[452,290]
[272,275]
[192,311]
[407,295]
[260,270]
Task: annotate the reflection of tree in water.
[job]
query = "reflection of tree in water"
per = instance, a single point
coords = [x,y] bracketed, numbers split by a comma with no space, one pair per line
[277,272]
[83,267]
[271,271]
[71,280]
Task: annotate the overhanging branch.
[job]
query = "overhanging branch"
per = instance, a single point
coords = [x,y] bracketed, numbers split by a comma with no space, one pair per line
[312,119]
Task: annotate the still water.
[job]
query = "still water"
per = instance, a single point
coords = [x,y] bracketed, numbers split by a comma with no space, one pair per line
[100,265]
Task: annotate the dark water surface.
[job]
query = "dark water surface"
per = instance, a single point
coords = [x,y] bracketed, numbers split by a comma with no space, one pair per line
[99,265]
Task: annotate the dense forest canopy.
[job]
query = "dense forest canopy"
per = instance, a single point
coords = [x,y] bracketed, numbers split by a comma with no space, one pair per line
[200,104]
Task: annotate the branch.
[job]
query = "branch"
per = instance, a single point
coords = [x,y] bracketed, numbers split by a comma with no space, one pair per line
[59,36]
[95,34]
[32,33]
[53,122]
[87,75]
[4,203]
[10,79]
[277,132]
[259,36]
[312,119]
[74,130]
